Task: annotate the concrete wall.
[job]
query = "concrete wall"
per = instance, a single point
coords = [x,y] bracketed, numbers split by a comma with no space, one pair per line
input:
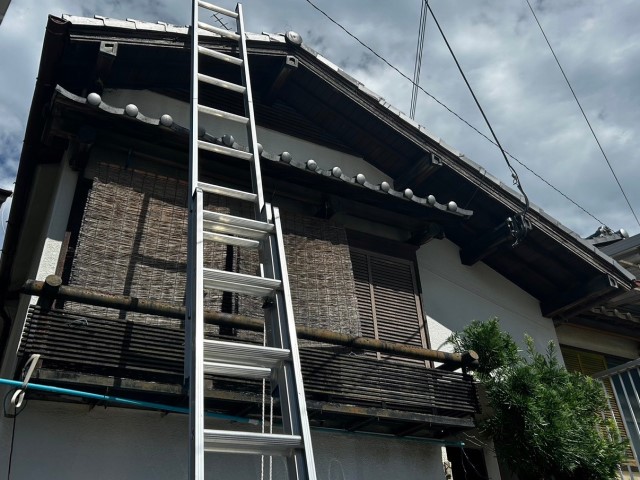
[454,295]
[59,441]
[155,105]
[597,341]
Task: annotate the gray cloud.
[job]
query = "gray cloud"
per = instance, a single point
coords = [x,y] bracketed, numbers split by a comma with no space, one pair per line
[499,46]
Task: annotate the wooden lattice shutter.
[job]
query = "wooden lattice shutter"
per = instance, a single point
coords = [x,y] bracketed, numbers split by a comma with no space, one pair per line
[589,363]
[388,301]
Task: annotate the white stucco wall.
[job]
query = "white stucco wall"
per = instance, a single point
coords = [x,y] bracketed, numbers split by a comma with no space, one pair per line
[155,105]
[44,256]
[598,341]
[47,242]
[454,295]
[59,441]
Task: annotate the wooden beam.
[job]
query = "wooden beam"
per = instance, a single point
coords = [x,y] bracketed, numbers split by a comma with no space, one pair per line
[490,241]
[579,298]
[410,429]
[316,408]
[418,172]
[107,54]
[52,288]
[420,237]
[289,66]
[358,424]
[470,357]
[387,414]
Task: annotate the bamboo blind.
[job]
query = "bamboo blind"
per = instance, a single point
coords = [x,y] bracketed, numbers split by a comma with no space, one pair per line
[133,241]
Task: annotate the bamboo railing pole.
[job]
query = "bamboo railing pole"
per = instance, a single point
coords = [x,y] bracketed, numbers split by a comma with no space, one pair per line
[52,288]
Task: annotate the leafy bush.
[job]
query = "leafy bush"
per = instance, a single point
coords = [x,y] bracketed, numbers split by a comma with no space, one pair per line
[495,348]
[546,423]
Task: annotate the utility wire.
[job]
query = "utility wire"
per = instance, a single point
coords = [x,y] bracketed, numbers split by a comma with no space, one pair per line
[217,17]
[583,112]
[397,70]
[418,61]
[514,174]
[517,224]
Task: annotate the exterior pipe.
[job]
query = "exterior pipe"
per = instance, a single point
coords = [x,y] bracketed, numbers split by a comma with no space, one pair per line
[173,409]
[52,288]
[119,400]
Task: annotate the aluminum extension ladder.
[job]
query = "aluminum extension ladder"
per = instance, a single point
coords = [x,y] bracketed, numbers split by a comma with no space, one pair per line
[279,361]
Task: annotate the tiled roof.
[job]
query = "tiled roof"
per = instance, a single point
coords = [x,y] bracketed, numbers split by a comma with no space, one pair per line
[166,121]
[280,38]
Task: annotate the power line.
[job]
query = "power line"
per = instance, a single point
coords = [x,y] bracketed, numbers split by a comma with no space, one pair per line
[397,70]
[217,17]
[514,174]
[518,225]
[418,61]
[583,113]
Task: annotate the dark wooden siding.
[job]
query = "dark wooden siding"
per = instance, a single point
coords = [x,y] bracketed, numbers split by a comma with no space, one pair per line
[388,300]
[71,342]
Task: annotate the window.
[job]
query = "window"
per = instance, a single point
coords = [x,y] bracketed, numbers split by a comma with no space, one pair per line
[388,300]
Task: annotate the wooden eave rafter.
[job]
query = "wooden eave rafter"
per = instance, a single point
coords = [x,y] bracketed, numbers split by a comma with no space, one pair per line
[582,296]
[413,213]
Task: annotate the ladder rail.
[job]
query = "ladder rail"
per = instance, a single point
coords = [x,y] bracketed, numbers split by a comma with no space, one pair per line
[195,255]
[195,317]
[256,173]
[280,361]
[294,411]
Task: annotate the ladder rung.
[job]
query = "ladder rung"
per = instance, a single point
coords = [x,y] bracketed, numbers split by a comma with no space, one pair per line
[214,227]
[215,8]
[242,222]
[220,56]
[251,443]
[239,282]
[238,371]
[234,87]
[222,114]
[230,240]
[228,192]
[232,152]
[223,32]
[244,354]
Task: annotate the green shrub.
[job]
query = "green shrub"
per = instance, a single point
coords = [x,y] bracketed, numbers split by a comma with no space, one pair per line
[546,423]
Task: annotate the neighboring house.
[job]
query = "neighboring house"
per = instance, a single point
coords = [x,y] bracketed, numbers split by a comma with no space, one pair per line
[389,233]
[4,194]
[604,342]
[4,5]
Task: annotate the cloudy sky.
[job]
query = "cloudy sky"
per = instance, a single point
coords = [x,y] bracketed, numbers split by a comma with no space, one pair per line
[499,46]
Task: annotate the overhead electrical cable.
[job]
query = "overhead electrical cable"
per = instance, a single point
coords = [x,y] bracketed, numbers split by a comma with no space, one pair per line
[514,174]
[455,114]
[517,224]
[595,137]
[217,17]
[418,61]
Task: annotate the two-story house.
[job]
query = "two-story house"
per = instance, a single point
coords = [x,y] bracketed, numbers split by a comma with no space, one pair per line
[390,235]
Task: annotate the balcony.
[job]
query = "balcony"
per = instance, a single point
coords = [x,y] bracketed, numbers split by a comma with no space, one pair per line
[345,388]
